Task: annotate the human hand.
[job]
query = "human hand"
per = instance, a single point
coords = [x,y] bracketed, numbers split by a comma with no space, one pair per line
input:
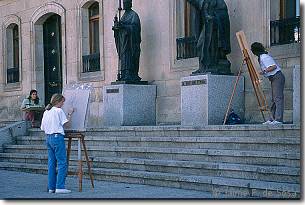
[262,72]
[70,111]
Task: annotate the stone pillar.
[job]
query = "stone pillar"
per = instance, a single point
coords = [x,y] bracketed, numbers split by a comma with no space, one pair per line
[205,98]
[129,105]
[296,95]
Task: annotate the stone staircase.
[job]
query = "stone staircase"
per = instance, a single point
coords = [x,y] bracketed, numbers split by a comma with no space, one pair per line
[6,123]
[242,161]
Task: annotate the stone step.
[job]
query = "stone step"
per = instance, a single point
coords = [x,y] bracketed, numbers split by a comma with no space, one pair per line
[6,123]
[286,130]
[232,170]
[209,155]
[241,187]
[234,143]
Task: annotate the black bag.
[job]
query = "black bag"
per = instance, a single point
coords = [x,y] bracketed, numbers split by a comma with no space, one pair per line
[233,119]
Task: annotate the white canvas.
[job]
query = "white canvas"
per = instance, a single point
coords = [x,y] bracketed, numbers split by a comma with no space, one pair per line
[78,100]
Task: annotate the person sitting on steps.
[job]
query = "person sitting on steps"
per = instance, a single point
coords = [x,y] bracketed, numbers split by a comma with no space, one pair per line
[31,101]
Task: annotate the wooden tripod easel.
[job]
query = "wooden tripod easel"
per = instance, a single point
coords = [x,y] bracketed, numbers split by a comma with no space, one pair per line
[81,141]
[260,96]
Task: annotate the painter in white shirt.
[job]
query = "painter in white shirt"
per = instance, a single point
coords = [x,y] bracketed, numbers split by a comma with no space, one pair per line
[53,121]
[267,61]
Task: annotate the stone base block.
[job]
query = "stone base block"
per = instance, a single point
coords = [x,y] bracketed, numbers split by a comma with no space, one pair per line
[129,105]
[205,98]
[296,95]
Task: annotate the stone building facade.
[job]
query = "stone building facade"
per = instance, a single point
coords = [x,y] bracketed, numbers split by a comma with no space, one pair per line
[83,33]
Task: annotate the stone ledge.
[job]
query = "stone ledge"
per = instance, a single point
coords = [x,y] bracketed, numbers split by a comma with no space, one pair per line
[208,127]
[244,127]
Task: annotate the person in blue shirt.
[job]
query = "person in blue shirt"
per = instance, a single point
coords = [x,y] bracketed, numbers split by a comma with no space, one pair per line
[271,70]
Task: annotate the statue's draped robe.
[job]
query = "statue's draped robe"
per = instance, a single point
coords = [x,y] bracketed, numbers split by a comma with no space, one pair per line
[127,40]
[213,36]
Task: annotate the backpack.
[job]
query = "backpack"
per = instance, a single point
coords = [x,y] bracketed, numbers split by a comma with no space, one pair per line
[233,119]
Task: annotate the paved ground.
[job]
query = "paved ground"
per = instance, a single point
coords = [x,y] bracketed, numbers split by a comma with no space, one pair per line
[19,185]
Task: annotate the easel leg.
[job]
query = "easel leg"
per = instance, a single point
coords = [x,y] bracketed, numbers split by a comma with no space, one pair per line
[233,93]
[80,137]
[80,165]
[87,159]
[80,174]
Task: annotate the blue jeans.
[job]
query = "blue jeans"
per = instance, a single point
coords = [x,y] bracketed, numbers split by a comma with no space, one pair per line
[56,157]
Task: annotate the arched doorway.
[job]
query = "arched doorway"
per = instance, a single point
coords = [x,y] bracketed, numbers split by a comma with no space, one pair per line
[52,50]
[48,50]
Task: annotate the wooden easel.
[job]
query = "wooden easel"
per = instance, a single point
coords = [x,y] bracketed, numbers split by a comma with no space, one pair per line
[260,96]
[81,141]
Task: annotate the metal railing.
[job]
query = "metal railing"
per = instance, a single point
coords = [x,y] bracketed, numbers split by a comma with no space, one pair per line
[91,63]
[12,75]
[285,31]
[186,47]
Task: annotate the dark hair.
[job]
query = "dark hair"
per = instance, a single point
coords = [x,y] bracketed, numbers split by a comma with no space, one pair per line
[258,49]
[36,101]
[55,99]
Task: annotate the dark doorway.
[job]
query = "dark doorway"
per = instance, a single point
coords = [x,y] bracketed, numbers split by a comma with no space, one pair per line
[52,56]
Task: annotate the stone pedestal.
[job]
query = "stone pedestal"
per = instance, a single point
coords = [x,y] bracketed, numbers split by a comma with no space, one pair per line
[205,98]
[296,95]
[129,105]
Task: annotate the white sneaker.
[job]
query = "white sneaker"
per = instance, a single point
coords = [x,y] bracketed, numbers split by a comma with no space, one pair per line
[276,123]
[267,122]
[62,191]
[51,191]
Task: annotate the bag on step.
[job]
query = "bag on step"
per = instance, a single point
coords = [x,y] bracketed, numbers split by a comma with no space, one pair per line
[233,119]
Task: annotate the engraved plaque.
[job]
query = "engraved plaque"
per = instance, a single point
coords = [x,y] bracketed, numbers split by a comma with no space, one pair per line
[194,82]
[112,90]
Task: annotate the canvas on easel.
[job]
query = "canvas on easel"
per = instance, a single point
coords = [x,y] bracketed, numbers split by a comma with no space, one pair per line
[78,100]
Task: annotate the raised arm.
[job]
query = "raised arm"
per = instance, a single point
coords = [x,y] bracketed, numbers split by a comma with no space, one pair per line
[67,124]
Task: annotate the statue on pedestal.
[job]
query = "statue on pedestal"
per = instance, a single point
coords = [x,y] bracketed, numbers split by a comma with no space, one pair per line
[213,25]
[127,34]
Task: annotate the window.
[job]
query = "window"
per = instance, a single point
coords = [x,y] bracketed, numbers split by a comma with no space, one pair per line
[94,28]
[285,22]
[91,57]
[12,35]
[186,30]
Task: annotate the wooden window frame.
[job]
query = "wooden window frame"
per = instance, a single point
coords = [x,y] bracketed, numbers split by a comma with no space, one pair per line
[16,48]
[283,8]
[92,34]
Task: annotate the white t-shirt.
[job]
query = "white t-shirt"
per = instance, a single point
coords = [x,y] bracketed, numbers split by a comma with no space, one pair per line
[53,121]
[267,61]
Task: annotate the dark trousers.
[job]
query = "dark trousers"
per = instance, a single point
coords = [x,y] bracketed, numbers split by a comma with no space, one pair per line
[277,87]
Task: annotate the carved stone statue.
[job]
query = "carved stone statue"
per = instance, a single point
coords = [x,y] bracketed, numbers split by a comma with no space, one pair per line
[127,34]
[213,26]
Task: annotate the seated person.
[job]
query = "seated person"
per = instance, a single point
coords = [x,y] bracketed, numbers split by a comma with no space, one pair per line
[32,101]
